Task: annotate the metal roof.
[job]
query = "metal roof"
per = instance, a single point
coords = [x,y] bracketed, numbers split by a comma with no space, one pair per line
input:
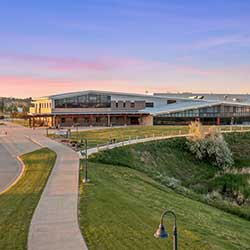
[183,106]
[148,96]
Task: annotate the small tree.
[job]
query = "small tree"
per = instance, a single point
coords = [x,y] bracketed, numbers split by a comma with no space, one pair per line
[196,131]
[209,146]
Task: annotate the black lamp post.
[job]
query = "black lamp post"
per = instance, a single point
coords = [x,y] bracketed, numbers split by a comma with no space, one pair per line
[84,152]
[162,233]
[77,135]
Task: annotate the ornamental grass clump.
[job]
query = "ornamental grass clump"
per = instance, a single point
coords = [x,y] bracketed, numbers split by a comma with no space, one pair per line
[209,146]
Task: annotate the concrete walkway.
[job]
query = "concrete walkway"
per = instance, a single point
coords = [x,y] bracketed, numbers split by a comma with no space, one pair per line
[54,224]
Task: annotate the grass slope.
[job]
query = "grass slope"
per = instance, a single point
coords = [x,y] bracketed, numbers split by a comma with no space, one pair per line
[18,204]
[103,136]
[165,160]
[240,146]
[170,163]
[120,209]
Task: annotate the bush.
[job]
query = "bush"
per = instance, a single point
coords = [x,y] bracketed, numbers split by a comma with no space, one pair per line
[211,146]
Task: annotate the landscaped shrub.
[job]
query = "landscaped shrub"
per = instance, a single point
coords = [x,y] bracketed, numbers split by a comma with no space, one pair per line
[209,146]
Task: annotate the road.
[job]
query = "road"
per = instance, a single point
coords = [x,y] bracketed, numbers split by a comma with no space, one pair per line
[11,146]
[10,168]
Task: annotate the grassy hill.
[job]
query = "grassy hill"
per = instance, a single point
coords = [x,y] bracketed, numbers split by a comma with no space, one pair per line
[120,209]
[170,163]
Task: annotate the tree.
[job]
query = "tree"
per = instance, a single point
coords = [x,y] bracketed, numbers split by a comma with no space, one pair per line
[209,146]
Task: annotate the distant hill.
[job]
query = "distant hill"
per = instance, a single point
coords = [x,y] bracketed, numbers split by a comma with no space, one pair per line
[11,104]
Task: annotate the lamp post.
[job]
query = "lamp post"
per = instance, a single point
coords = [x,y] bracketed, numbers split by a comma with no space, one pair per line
[162,233]
[77,135]
[84,152]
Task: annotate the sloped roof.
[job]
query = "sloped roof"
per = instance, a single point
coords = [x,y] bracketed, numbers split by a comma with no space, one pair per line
[71,94]
[183,106]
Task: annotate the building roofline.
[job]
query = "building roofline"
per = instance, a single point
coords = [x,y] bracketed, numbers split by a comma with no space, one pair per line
[197,106]
[69,94]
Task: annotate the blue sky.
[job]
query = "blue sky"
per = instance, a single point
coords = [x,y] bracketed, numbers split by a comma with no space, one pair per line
[132,45]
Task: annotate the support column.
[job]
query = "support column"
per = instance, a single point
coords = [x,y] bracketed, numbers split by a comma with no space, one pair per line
[125,120]
[53,121]
[91,118]
[29,122]
[108,120]
[218,121]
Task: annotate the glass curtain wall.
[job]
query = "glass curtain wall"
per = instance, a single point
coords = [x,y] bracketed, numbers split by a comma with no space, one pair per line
[214,111]
[84,101]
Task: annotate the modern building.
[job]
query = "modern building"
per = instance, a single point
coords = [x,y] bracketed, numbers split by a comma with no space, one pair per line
[101,108]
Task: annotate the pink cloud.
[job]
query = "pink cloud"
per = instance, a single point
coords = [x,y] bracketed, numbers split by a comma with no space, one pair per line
[60,64]
[71,63]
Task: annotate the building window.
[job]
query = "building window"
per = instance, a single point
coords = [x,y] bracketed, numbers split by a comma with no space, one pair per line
[116,104]
[171,101]
[124,105]
[149,104]
[84,101]
[63,120]
[132,105]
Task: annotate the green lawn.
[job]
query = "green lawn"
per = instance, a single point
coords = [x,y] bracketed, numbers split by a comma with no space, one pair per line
[103,136]
[120,209]
[170,163]
[18,204]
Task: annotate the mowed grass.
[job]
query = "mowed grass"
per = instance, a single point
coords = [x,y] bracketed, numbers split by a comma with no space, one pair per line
[170,163]
[18,204]
[103,136]
[121,207]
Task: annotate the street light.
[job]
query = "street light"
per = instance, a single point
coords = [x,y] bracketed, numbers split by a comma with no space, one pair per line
[84,152]
[162,233]
[77,126]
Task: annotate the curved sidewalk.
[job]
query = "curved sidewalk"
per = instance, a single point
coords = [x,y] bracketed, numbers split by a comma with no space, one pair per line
[54,224]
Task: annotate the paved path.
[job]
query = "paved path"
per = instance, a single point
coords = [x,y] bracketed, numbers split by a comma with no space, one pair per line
[10,168]
[54,224]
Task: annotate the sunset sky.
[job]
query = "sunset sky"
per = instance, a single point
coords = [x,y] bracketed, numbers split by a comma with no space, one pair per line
[49,47]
